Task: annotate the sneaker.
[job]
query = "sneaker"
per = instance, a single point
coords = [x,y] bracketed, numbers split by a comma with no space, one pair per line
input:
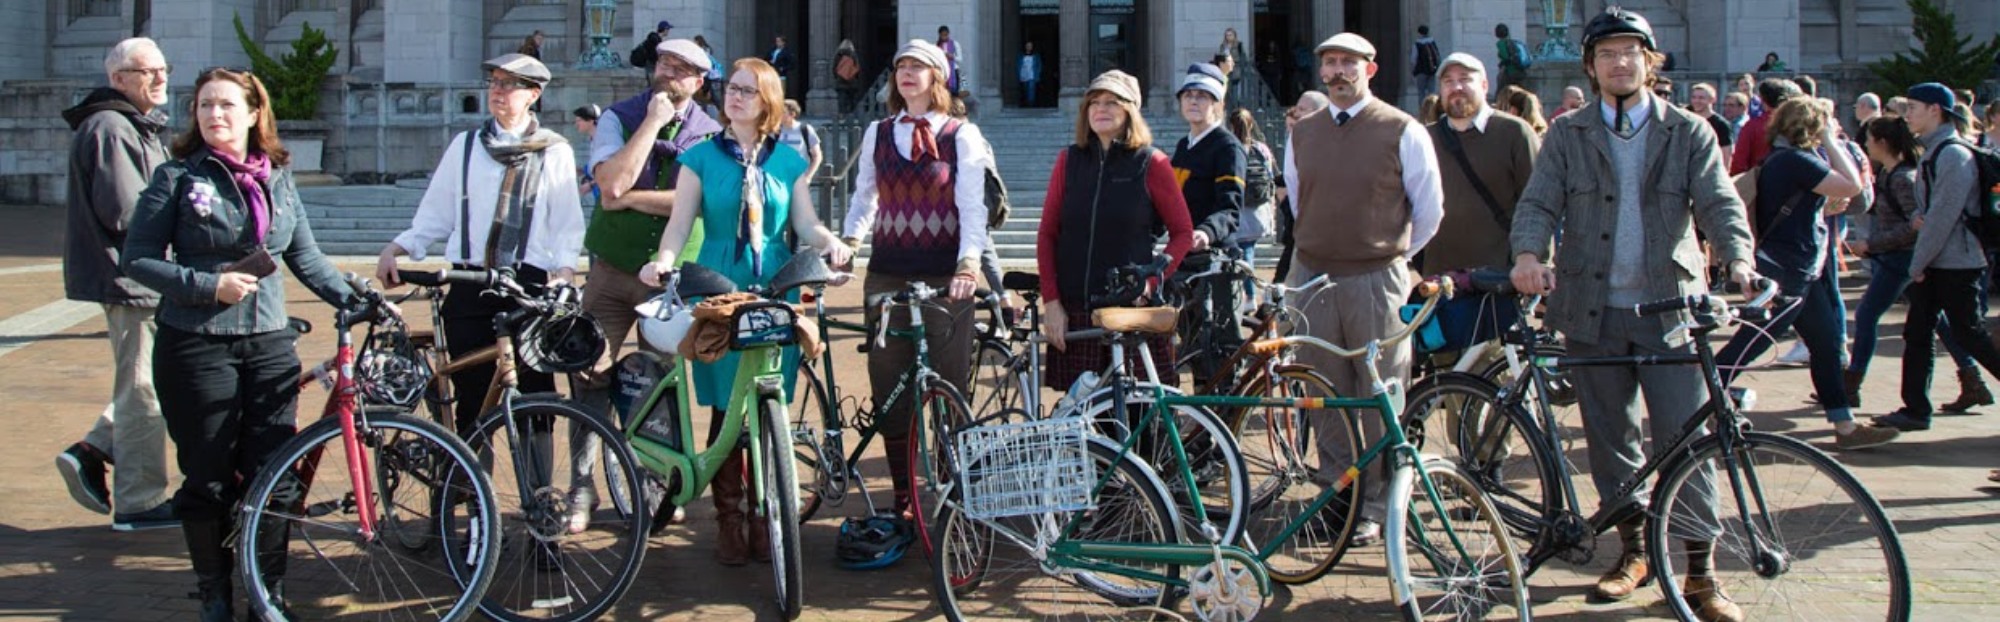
[582,502]
[82,469]
[1864,437]
[1797,356]
[1367,533]
[1903,420]
[162,516]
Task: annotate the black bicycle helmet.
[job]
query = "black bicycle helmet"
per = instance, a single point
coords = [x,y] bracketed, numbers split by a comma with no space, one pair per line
[563,344]
[873,542]
[390,371]
[1615,21]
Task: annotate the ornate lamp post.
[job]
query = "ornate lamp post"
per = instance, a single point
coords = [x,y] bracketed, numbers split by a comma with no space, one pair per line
[598,16]
[1555,21]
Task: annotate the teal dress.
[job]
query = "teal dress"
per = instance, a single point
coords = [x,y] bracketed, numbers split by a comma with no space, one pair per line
[721,213]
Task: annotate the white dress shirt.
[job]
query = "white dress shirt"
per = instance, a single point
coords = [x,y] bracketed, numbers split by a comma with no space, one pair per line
[974,157]
[1420,177]
[555,238]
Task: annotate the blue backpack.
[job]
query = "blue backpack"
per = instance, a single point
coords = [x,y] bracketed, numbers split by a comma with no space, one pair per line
[1521,54]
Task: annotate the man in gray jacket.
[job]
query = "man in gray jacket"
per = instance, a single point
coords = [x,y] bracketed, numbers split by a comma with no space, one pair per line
[119,140]
[1626,181]
[1948,264]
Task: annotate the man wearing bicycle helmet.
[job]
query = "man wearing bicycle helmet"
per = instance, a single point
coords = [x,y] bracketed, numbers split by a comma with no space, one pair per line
[1626,181]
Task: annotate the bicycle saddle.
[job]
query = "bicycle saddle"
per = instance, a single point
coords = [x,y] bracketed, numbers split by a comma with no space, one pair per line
[1021,281]
[698,281]
[806,268]
[1145,320]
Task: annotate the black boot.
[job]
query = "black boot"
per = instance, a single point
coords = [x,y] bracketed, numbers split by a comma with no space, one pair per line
[213,567]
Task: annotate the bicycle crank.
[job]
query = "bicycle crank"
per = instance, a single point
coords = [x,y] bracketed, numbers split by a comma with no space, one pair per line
[1224,591]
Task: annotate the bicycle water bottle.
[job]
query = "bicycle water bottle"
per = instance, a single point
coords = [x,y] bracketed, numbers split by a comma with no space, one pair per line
[1078,390]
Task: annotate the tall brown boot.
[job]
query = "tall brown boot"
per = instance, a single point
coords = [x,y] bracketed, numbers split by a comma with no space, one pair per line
[899,473]
[1971,391]
[727,489]
[758,532]
[1631,571]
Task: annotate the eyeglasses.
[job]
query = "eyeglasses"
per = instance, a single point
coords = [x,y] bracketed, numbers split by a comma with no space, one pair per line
[1626,55]
[741,91]
[676,69]
[506,86]
[150,72]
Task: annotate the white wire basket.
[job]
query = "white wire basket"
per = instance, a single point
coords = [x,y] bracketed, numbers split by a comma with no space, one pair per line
[1018,469]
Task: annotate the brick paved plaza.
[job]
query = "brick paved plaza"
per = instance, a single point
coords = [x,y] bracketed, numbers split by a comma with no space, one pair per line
[58,561]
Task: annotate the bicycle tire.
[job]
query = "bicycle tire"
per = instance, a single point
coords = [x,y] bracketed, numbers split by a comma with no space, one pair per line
[980,575]
[1289,460]
[1453,557]
[408,450]
[1854,555]
[780,475]
[1221,476]
[810,409]
[1501,447]
[593,568]
[931,468]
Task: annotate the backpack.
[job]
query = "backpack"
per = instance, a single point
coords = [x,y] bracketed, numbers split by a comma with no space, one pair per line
[1259,185]
[1427,58]
[1521,54]
[1984,218]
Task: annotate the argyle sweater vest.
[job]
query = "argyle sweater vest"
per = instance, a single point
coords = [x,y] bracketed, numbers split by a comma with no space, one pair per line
[916,218]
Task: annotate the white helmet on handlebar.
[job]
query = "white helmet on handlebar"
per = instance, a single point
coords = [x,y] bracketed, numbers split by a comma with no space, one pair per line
[664,323]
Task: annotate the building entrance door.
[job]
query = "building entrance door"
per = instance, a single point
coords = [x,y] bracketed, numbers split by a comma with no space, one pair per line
[1116,40]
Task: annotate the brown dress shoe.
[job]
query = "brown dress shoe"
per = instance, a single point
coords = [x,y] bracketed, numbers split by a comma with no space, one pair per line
[1708,601]
[1628,576]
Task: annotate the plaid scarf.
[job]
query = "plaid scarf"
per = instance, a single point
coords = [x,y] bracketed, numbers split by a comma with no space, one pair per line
[520,187]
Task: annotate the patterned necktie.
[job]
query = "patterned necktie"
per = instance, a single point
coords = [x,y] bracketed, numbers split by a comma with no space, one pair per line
[1341,119]
[922,143]
[1623,125]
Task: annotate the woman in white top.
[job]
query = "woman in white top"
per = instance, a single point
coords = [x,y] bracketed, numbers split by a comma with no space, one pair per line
[503,196]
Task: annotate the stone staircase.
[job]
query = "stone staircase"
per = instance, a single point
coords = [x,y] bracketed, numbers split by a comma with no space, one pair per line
[359,220]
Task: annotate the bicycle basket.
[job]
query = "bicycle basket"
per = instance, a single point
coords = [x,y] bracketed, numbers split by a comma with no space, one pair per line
[1017,469]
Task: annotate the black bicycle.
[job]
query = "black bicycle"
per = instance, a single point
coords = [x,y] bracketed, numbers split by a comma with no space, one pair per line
[1795,535]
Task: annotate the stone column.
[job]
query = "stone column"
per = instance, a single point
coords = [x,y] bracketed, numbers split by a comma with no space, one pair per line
[993,61]
[432,40]
[822,101]
[1074,66]
[25,39]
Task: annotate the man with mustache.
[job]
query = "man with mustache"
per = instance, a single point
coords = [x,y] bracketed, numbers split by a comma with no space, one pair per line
[1367,199]
[634,157]
[1626,180]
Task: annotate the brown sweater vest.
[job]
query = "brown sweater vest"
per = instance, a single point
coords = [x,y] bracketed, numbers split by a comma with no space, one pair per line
[1353,215]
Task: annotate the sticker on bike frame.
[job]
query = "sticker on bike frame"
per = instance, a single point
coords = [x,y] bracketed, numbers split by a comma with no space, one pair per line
[760,325]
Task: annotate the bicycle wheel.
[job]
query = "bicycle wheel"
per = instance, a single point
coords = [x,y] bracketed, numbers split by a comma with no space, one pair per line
[1459,416]
[302,536]
[997,381]
[824,477]
[997,569]
[930,459]
[781,508]
[1221,478]
[1283,454]
[1453,559]
[546,572]
[1796,537]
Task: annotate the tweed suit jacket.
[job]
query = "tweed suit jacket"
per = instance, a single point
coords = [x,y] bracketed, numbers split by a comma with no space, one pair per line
[1574,191]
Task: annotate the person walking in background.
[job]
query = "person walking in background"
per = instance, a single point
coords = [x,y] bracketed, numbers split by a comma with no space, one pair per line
[919,166]
[1701,102]
[1747,85]
[846,74]
[1029,70]
[1948,264]
[1523,103]
[1367,198]
[647,52]
[584,117]
[1260,173]
[532,46]
[226,363]
[1514,58]
[950,47]
[117,144]
[1751,143]
[1109,182]
[1425,59]
[713,80]
[801,137]
[1866,108]
[1772,63]
[1735,110]
[1572,101]
[781,59]
[1990,138]
[754,192]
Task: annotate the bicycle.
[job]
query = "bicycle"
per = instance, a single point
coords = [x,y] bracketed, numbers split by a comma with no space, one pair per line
[550,569]
[939,406]
[408,532]
[1778,548]
[755,414]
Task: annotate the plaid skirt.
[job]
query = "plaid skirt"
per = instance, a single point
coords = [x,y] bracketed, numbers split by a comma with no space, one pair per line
[1062,368]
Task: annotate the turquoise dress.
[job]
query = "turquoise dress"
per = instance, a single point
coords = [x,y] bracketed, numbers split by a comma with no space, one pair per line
[721,212]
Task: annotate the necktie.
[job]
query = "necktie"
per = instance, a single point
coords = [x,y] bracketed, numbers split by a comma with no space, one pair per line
[664,180]
[922,143]
[1341,119]
[1623,126]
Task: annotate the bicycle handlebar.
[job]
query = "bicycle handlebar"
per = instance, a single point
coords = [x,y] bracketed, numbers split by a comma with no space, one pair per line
[1768,290]
[438,278]
[1430,291]
[916,293]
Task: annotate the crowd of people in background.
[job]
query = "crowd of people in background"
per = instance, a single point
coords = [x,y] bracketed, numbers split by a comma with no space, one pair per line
[711,163]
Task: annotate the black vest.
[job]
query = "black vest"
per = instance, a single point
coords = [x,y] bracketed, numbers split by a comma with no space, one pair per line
[1107,219]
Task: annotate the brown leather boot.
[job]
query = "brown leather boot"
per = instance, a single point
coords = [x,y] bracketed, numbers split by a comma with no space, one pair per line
[731,549]
[758,532]
[1971,392]
[1708,601]
[1630,573]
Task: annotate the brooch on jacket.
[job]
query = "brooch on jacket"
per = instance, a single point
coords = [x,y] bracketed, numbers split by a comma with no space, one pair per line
[202,196]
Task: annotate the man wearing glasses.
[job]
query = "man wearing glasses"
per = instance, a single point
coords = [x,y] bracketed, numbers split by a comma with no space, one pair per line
[118,142]
[634,157]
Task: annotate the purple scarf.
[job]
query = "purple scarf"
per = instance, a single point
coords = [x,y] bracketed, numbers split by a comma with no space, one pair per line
[251,175]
